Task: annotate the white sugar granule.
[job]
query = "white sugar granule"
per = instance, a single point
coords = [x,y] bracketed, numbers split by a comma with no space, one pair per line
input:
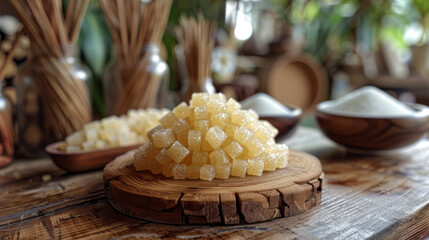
[265,105]
[369,101]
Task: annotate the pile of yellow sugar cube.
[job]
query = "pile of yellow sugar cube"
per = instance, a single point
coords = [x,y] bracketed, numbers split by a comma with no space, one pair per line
[211,138]
[114,131]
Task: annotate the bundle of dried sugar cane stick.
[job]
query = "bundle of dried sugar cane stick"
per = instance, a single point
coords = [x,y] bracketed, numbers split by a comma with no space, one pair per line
[64,99]
[196,36]
[6,125]
[134,24]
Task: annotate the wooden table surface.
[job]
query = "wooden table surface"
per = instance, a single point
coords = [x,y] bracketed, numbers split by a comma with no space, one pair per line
[380,197]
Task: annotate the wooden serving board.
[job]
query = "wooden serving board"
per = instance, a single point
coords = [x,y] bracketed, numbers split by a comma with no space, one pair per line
[251,199]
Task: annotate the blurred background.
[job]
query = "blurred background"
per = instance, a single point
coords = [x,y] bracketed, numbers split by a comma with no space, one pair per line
[300,52]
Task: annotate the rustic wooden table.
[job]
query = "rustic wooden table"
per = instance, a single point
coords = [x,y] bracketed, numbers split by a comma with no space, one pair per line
[381,197]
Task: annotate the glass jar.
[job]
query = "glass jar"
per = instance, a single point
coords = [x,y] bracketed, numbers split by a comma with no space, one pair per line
[136,84]
[6,130]
[52,99]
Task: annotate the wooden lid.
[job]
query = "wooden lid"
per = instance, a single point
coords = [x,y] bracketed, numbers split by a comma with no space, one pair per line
[298,80]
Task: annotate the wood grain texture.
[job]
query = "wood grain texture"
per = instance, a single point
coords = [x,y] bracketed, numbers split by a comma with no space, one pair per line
[251,199]
[364,197]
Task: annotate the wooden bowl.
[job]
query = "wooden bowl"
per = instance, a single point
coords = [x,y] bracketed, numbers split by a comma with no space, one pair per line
[369,133]
[286,124]
[85,160]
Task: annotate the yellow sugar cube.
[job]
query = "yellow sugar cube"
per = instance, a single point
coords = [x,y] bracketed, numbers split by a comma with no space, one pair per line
[152,131]
[91,134]
[242,117]
[100,144]
[92,125]
[234,149]
[255,167]
[218,156]
[193,171]
[168,120]
[219,96]
[150,151]
[270,127]
[177,152]
[207,172]
[111,122]
[215,105]
[138,155]
[230,130]
[239,168]
[179,171]
[163,138]
[282,153]
[205,146]
[188,159]
[252,114]
[220,119]
[181,110]
[215,136]
[201,113]
[270,161]
[88,145]
[202,126]
[140,161]
[255,147]
[232,105]
[262,133]
[243,135]
[200,158]
[127,138]
[180,126]
[167,169]
[75,138]
[183,138]
[199,99]
[155,167]
[162,157]
[194,140]
[191,116]
[237,118]
[252,125]
[223,171]
[142,164]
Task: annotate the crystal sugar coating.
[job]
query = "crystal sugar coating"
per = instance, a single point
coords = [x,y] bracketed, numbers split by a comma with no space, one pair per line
[177,152]
[209,138]
[218,157]
[163,138]
[207,172]
[168,120]
[215,136]
[194,140]
[181,110]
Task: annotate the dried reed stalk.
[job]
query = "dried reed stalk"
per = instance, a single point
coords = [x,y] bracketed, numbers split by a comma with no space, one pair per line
[6,125]
[196,36]
[64,98]
[134,24]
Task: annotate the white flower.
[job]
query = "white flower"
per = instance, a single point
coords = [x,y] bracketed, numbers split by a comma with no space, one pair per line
[224,62]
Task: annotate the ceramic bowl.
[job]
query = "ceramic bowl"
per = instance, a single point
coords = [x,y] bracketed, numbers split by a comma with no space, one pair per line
[286,124]
[373,133]
[85,160]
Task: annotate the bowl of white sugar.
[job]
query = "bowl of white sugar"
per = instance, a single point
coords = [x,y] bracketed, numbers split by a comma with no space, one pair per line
[369,119]
[283,117]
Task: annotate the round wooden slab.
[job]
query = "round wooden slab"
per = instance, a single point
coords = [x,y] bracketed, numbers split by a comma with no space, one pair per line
[250,199]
